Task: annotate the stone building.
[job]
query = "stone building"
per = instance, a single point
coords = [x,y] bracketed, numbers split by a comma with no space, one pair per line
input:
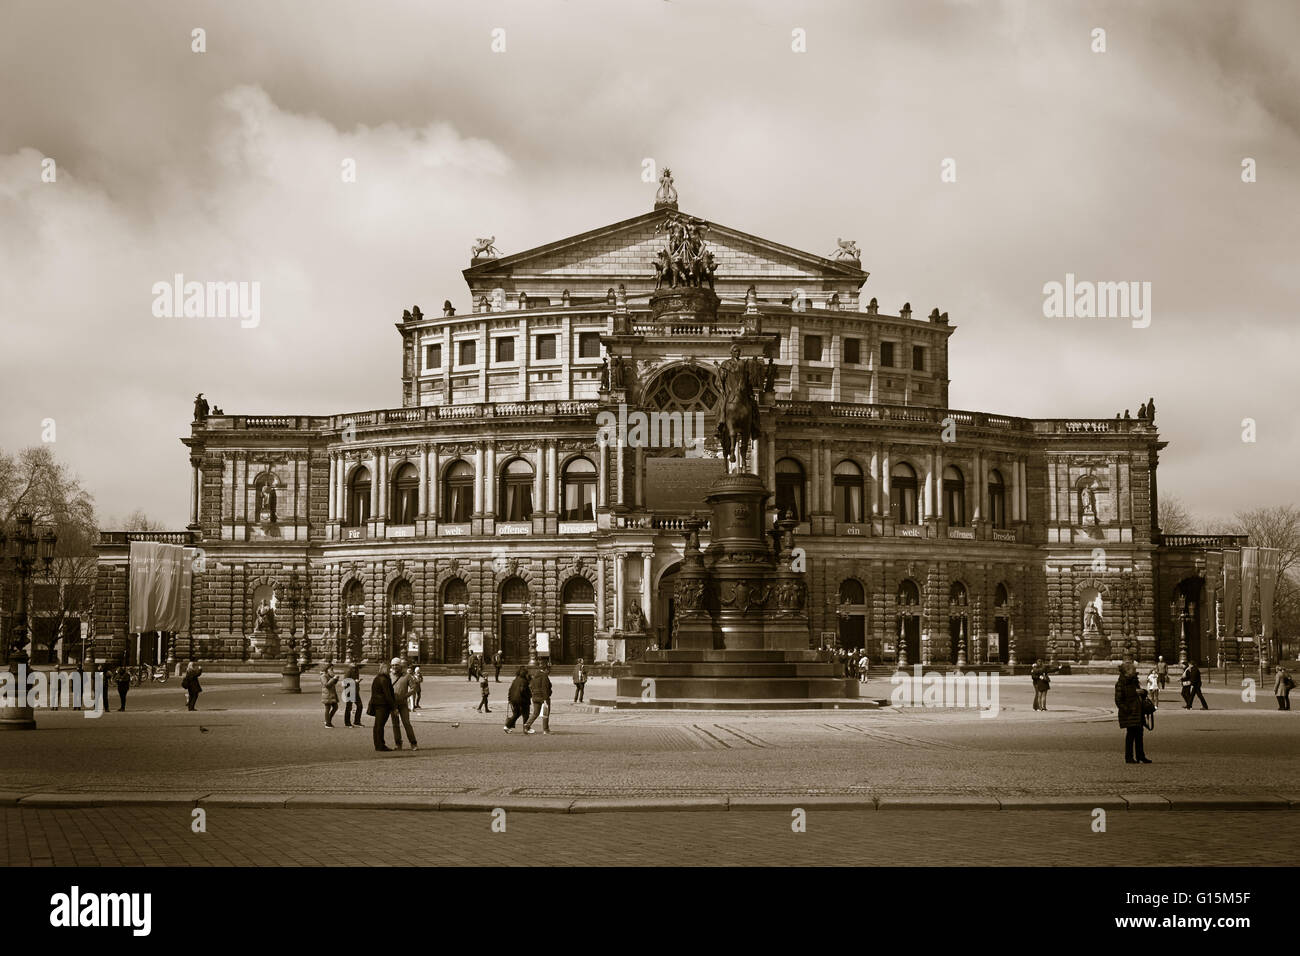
[495,502]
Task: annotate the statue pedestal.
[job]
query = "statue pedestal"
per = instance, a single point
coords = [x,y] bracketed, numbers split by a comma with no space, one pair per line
[742,625]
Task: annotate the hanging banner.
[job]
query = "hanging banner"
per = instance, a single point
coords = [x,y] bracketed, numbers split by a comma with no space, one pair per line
[159,576]
[1231,591]
[1249,578]
[1270,567]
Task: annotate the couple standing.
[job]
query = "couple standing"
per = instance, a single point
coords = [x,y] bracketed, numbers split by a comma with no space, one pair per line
[390,694]
[526,691]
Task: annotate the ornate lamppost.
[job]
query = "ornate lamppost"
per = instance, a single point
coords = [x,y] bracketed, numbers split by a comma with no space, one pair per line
[19,553]
[291,672]
[532,636]
[1180,612]
[1011,630]
[900,658]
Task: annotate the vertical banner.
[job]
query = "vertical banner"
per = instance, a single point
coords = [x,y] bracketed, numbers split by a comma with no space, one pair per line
[1270,566]
[1231,591]
[1249,577]
[160,585]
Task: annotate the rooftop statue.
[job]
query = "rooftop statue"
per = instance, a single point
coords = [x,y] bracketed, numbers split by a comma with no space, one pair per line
[846,249]
[685,260]
[484,247]
[667,192]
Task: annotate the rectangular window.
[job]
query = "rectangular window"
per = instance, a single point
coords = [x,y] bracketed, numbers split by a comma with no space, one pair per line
[546,346]
[812,348]
[887,354]
[589,345]
[852,354]
[468,353]
[433,357]
[918,358]
[506,349]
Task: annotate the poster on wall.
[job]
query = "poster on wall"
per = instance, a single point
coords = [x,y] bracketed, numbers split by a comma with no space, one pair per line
[543,644]
[476,642]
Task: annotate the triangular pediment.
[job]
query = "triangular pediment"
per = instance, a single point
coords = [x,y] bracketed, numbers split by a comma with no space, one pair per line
[625,252]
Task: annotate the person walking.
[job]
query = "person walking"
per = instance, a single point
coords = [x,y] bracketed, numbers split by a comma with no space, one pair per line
[329,694]
[191,684]
[469,668]
[402,696]
[382,705]
[122,677]
[417,681]
[1282,688]
[864,669]
[1042,684]
[1129,696]
[1162,670]
[540,689]
[106,675]
[519,697]
[483,688]
[1185,685]
[352,695]
[579,680]
[1193,678]
[497,660]
[1153,686]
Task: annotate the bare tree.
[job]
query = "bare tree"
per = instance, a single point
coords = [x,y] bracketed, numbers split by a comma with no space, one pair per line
[33,481]
[1277,526]
[1173,516]
[137,520]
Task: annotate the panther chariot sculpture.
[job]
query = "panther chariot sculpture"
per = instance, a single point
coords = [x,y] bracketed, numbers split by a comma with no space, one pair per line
[484,247]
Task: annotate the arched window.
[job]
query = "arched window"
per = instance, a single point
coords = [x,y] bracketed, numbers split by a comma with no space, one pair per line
[997,500]
[909,595]
[789,488]
[902,494]
[358,510]
[458,493]
[954,495]
[402,595]
[578,590]
[354,597]
[847,493]
[1000,596]
[455,592]
[514,591]
[851,592]
[516,491]
[957,594]
[405,496]
[578,491]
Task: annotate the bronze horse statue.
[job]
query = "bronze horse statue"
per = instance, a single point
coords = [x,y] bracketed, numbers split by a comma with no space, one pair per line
[738,418]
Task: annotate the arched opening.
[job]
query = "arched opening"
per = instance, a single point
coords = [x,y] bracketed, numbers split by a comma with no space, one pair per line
[354,616]
[401,617]
[908,620]
[516,617]
[666,607]
[358,503]
[852,614]
[847,493]
[455,611]
[954,495]
[405,495]
[578,490]
[958,619]
[999,651]
[458,493]
[1185,618]
[265,495]
[902,494]
[578,627]
[515,495]
[790,489]
[997,500]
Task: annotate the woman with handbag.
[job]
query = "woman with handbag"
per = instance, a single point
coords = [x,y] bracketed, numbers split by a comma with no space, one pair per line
[1132,702]
[1282,688]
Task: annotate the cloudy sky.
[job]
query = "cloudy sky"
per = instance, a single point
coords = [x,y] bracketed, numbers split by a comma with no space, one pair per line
[1117,166]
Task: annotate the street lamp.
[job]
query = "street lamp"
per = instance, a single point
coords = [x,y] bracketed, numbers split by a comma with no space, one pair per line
[19,553]
[1179,612]
[532,638]
[290,674]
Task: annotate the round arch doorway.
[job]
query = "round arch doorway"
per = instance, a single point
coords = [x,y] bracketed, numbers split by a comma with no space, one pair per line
[665,606]
[578,628]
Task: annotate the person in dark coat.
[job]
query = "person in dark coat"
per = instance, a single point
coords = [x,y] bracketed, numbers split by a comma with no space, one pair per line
[107,673]
[352,695]
[122,678]
[497,661]
[519,697]
[1042,684]
[579,680]
[191,683]
[329,694]
[1193,678]
[382,705]
[1282,685]
[1128,699]
[540,689]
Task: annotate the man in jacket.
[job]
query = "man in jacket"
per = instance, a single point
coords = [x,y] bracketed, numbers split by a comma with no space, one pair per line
[519,697]
[1042,684]
[1194,687]
[1162,671]
[329,694]
[497,661]
[352,695]
[401,695]
[540,688]
[579,680]
[382,705]
[1128,700]
[1282,685]
[191,683]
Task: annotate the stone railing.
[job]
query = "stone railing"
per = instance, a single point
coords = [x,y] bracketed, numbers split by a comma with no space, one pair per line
[1204,540]
[404,416]
[901,413]
[162,537]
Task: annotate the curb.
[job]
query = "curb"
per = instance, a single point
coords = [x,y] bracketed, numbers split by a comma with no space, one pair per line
[475,802]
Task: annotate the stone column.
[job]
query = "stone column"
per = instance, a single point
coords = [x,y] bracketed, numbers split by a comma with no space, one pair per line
[885,503]
[196,483]
[938,486]
[1023,485]
[423,503]
[815,478]
[646,558]
[874,472]
[333,513]
[980,484]
[375,482]
[552,478]
[618,591]
[618,474]
[600,594]
[602,475]
[1013,489]
[478,481]
[539,472]
[490,479]
[435,464]
[382,481]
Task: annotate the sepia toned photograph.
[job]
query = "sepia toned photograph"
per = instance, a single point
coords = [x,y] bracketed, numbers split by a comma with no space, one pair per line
[839,434]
